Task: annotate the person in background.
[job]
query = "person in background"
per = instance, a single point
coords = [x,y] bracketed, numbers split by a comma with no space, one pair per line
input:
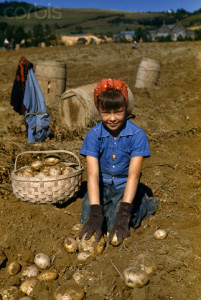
[140,42]
[12,44]
[114,151]
[6,44]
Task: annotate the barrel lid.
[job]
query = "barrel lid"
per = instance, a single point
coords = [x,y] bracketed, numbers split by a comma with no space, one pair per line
[50,63]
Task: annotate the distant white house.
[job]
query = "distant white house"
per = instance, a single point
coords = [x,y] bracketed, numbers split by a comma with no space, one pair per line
[173,30]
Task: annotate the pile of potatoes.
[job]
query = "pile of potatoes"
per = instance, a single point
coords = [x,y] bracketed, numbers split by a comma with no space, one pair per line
[29,277]
[50,166]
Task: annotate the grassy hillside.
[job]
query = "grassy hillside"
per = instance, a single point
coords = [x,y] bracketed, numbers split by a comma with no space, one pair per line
[77,21]
[192,21]
[67,21]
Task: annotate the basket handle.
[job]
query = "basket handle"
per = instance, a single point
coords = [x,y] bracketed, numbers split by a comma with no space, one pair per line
[49,151]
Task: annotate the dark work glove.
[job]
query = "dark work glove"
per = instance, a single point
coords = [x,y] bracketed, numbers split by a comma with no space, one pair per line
[121,225]
[94,224]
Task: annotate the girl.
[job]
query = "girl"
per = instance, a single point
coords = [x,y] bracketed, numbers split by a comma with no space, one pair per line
[114,151]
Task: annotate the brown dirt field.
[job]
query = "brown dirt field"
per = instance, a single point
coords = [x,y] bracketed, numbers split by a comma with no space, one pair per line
[170,115]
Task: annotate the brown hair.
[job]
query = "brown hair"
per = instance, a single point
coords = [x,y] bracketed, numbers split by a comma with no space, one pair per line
[111,99]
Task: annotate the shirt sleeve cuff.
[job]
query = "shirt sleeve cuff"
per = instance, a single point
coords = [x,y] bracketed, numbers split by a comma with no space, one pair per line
[88,153]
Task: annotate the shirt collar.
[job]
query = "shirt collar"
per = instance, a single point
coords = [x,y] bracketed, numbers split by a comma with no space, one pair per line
[126,130]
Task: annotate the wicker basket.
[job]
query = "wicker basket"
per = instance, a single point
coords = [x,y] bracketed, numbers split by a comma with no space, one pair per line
[49,189]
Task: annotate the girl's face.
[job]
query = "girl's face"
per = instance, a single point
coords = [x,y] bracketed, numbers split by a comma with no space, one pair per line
[113,119]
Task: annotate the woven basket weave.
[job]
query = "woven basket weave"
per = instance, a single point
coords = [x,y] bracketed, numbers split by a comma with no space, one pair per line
[49,189]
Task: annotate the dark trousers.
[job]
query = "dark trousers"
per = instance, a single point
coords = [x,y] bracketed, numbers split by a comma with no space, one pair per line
[110,198]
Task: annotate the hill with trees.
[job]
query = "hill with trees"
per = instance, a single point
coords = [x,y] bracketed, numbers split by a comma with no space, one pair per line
[20,20]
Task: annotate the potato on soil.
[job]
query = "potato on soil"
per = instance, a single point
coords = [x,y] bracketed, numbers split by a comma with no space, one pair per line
[47,276]
[12,293]
[70,245]
[146,263]
[42,261]
[160,234]
[115,241]
[30,271]
[13,268]
[69,291]
[80,275]
[27,286]
[134,277]
[84,256]
[91,245]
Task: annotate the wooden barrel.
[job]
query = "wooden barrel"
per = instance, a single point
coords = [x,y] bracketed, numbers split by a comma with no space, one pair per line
[148,73]
[198,60]
[77,107]
[51,76]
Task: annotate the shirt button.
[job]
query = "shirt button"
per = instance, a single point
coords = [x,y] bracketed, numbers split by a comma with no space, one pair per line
[114,143]
[113,166]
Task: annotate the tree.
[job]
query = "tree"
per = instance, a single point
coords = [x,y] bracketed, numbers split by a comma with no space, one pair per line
[19,34]
[38,30]
[181,13]
[79,29]
[47,29]
[9,32]
[139,33]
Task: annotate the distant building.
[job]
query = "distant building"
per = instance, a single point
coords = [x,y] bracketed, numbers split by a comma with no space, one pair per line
[124,36]
[173,30]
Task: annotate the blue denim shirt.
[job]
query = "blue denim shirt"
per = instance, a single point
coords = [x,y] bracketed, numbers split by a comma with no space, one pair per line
[131,141]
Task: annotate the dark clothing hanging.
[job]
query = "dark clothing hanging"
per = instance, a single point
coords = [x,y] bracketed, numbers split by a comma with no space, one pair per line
[17,94]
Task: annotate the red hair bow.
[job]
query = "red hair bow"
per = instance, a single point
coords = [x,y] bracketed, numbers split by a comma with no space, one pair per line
[106,84]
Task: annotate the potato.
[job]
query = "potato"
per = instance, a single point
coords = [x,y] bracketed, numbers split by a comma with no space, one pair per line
[67,170]
[45,171]
[62,166]
[36,165]
[47,275]
[76,227]
[42,261]
[134,277]
[51,160]
[41,175]
[55,170]
[20,173]
[91,245]
[13,268]
[146,263]
[12,293]
[70,245]
[83,256]
[28,172]
[30,271]
[27,286]
[160,234]
[69,292]
[79,276]
[115,241]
